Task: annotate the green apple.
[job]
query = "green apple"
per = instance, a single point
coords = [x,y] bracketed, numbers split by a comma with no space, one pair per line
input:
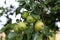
[16,29]
[25,14]
[30,19]
[22,26]
[39,26]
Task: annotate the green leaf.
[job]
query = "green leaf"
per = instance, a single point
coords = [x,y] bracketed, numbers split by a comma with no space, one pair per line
[39,37]
[7,28]
[46,30]
[13,36]
[43,5]
[37,17]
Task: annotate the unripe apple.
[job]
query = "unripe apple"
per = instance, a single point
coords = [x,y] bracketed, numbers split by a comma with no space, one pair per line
[30,19]
[39,26]
[25,14]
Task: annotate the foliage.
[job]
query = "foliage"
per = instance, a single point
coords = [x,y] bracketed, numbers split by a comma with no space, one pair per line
[45,11]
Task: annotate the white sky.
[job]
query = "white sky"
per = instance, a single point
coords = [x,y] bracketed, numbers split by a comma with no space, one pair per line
[3,19]
[15,4]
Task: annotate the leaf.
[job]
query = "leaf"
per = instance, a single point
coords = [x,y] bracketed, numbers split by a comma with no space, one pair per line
[3,10]
[46,30]
[12,35]
[37,17]
[27,6]
[43,5]
[39,37]
[7,28]
[18,10]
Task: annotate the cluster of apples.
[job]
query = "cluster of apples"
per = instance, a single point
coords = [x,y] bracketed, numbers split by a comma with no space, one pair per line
[38,25]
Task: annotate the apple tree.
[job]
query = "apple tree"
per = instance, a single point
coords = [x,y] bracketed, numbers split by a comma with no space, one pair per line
[30,20]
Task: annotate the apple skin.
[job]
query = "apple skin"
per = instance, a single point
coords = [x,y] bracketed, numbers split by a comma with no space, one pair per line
[21,26]
[30,19]
[25,14]
[39,26]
